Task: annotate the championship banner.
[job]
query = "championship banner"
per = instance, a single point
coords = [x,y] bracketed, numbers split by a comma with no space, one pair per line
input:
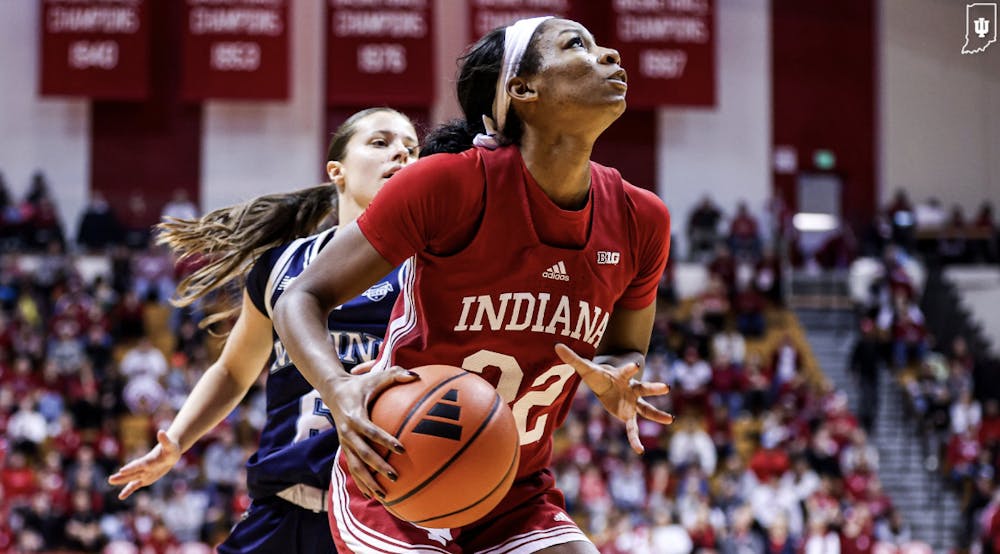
[380,52]
[668,49]
[235,49]
[95,48]
[486,15]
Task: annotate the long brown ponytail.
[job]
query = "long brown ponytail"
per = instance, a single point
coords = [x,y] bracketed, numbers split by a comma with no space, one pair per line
[232,238]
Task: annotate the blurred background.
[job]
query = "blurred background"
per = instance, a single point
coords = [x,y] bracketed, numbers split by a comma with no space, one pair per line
[827,320]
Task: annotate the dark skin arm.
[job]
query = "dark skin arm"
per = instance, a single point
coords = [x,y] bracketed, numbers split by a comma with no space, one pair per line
[343,270]
[611,374]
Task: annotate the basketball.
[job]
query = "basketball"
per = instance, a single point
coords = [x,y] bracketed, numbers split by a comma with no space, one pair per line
[461,442]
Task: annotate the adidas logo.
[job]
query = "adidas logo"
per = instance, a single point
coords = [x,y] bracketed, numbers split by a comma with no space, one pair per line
[285,281]
[557,272]
[446,408]
[561,516]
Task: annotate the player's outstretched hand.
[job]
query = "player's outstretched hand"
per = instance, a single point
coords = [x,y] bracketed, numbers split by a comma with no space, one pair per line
[147,469]
[359,437]
[620,394]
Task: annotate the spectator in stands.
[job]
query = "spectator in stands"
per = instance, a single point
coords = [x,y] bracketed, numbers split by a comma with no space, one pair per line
[180,206]
[864,364]
[136,221]
[742,537]
[744,234]
[27,428]
[627,485]
[714,303]
[703,228]
[767,279]
[690,377]
[952,244]
[779,541]
[930,215]
[985,249]
[962,456]
[223,460]
[83,530]
[691,446]
[749,310]
[909,337]
[144,359]
[184,511]
[729,384]
[723,267]
[966,413]
[11,219]
[99,226]
[667,537]
[901,217]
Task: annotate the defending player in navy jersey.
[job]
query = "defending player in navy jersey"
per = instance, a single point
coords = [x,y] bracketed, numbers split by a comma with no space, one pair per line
[264,244]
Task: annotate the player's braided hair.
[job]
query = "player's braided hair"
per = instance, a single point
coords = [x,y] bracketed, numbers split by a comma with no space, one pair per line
[476,87]
[231,239]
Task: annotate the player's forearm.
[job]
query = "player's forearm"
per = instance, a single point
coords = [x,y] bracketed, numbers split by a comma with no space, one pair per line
[300,322]
[214,396]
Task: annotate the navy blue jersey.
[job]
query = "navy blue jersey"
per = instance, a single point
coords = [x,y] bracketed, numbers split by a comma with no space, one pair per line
[298,442]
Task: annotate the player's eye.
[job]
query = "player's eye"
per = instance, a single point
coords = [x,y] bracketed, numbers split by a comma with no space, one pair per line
[380,142]
[574,42]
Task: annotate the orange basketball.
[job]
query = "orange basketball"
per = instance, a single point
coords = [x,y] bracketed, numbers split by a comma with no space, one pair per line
[461,442]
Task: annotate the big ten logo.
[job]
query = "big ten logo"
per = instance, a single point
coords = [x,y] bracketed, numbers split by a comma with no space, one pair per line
[608,258]
[101,54]
[662,64]
[235,56]
[382,58]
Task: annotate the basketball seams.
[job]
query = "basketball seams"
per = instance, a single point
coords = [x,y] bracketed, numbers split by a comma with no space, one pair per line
[510,468]
[482,426]
[420,403]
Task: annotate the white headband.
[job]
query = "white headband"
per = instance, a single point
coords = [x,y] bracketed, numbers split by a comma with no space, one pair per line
[515,43]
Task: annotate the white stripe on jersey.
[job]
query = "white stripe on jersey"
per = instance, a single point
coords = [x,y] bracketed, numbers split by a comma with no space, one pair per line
[402,325]
[534,541]
[359,538]
[277,276]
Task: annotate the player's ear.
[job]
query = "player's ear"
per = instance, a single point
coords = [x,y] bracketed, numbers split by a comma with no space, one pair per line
[335,171]
[521,89]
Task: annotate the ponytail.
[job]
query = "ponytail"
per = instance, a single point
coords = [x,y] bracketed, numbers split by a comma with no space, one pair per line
[476,87]
[451,137]
[232,238]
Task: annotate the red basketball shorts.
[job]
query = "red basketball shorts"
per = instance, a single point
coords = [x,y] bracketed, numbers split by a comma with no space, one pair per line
[531,517]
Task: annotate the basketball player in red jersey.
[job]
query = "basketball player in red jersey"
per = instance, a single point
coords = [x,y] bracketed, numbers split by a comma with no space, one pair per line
[534,267]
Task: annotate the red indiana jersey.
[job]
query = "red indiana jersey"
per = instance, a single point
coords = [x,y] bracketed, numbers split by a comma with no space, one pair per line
[498,305]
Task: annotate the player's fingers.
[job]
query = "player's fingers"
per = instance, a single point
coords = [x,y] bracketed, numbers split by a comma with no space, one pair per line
[568,356]
[648,411]
[386,379]
[131,487]
[363,368]
[632,428]
[401,375]
[629,371]
[360,440]
[127,472]
[648,388]
[362,474]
